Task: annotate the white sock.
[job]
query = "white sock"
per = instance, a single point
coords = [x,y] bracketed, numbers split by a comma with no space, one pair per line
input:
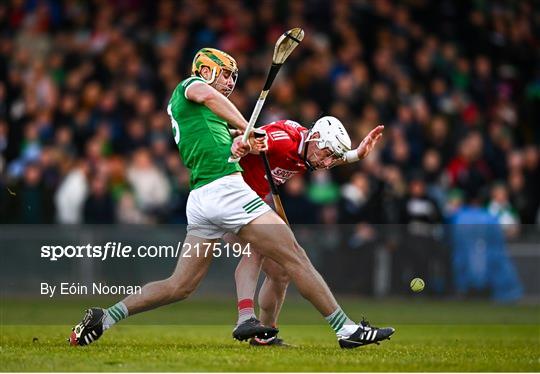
[347,330]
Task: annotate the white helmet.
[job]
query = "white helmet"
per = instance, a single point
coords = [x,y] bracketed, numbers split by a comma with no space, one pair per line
[332,134]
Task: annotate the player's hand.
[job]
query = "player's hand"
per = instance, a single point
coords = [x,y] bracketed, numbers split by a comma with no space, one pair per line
[258,140]
[367,145]
[239,148]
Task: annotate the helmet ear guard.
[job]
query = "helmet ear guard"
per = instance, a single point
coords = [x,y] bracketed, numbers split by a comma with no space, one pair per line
[212,78]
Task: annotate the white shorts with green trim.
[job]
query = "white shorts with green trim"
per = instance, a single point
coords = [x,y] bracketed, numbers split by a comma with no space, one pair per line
[224,205]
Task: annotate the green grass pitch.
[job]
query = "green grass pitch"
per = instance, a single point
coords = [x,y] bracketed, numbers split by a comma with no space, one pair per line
[195,335]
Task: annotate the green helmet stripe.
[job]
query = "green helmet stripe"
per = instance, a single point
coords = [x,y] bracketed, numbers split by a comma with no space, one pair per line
[213,57]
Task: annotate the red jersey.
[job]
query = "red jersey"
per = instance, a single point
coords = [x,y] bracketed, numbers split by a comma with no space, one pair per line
[285,142]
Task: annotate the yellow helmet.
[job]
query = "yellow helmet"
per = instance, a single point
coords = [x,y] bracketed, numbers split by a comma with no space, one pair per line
[216,60]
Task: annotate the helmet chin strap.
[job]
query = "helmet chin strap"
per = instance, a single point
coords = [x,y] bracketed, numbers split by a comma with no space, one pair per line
[304,158]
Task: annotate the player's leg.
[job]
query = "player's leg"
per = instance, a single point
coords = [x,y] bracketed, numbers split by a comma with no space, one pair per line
[271,238]
[272,292]
[271,298]
[275,240]
[246,277]
[271,295]
[191,268]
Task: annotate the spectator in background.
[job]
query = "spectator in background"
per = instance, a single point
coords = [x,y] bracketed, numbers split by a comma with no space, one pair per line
[397,151]
[531,173]
[438,137]
[454,202]
[500,207]
[322,191]
[518,194]
[99,206]
[358,204]
[71,195]
[468,170]
[127,211]
[298,207]
[435,178]
[150,186]
[30,199]
[479,259]
[498,146]
[523,182]
[421,254]
[393,194]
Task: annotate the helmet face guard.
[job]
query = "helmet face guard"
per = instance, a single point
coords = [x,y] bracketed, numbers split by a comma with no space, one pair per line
[227,90]
[337,151]
[334,155]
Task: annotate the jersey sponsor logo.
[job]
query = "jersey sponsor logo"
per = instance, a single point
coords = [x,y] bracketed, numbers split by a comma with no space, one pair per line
[282,175]
[292,123]
[279,135]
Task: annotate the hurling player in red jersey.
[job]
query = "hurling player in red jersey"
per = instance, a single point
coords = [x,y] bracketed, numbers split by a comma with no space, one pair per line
[292,150]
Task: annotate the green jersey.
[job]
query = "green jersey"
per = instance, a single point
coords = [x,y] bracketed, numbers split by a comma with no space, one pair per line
[203,138]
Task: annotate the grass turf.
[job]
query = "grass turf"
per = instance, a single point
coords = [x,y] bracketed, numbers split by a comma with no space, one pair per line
[431,336]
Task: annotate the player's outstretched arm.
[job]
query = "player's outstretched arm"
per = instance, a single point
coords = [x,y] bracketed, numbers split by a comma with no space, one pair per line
[365,147]
[205,94]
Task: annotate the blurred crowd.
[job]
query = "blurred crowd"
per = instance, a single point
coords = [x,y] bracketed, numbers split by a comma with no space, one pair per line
[85,138]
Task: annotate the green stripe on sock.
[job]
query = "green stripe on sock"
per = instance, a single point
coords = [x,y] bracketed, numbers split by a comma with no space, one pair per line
[337,320]
[340,323]
[254,207]
[120,312]
[336,317]
[117,313]
[114,314]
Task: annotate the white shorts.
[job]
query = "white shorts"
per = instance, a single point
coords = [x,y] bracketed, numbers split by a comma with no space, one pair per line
[224,205]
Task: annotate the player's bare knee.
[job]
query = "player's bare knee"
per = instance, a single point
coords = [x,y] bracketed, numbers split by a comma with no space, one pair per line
[281,279]
[286,255]
[299,262]
[302,255]
[277,274]
[299,254]
[177,291]
[183,292]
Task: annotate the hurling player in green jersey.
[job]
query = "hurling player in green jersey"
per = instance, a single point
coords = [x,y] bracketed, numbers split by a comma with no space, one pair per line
[221,202]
